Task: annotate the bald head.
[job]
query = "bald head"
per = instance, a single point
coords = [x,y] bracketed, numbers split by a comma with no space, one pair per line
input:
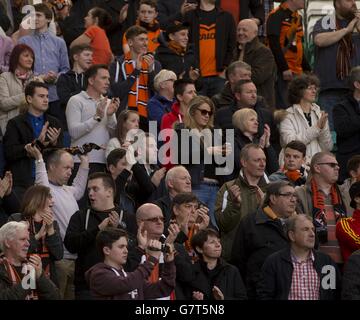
[247,31]
[146,210]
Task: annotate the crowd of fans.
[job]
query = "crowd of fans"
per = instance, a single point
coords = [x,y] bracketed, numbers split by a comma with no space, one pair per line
[179,149]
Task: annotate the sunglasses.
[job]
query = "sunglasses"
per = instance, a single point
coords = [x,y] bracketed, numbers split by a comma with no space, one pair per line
[155,219]
[205,112]
[331,164]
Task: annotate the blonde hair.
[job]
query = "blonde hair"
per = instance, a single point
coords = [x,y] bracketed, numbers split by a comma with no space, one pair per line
[162,76]
[240,117]
[194,105]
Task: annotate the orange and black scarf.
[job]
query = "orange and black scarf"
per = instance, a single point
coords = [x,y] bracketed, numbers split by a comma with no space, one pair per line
[178,49]
[15,278]
[152,26]
[319,203]
[345,52]
[139,92]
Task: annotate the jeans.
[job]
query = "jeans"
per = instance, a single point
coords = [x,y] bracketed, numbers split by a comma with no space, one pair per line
[328,99]
[211,86]
[207,193]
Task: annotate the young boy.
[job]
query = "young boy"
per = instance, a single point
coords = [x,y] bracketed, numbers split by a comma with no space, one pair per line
[147,14]
[109,281]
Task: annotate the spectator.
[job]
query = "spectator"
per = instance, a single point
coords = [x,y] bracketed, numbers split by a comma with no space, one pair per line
[91,116]
[163,99]
[73,81]
[175,53]
[146,18]
[199,119]
[213,33]
[262,233]
[346,117]
[296,272]
[45,240]
[13,83]
[108,280]
[353,169]
[246,126]
[334,42]
[14,244]
[350,284]
[304,120]
[6,46]
[56,174]
[126,130]
[321,199]
[236,71]
[242,196]
[294,169]
[96,21]
[177,180]
[213,278]
[23,130]
[285,36]
[259,57]
[348,229]
[85,224]
[8,200]
[51,55]
[132,74]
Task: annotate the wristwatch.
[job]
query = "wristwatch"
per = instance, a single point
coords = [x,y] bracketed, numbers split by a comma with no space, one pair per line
[97,118]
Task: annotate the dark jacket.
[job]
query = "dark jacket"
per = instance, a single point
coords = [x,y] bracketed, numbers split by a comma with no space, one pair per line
[169,11]
[225,36]
[351,278]
[263,68]
[346,117]
[165,205]
[105,284]
[53,243]
[276,276]
[223,120]
[120,86]
[255,7]
[224,98]
[225,276]
[80,239]
[257,237]
[19,132]
[46,290]
[170,60]
[157,107]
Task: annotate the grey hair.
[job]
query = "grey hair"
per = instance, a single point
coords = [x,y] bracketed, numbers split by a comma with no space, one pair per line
[274,188]
[9,231]
[290,223]
[171,174]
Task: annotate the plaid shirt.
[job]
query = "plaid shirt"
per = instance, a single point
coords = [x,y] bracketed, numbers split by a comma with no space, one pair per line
[305,282]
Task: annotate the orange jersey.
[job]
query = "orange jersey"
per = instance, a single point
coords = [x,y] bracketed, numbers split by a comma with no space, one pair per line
[207,48]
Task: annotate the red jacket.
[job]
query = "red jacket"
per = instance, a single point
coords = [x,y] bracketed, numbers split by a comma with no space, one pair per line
[348,234]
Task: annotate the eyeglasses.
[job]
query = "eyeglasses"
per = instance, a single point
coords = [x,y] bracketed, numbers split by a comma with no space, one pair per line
[288,195]
[155,219]
[331,164]
[315,88]
[205,112]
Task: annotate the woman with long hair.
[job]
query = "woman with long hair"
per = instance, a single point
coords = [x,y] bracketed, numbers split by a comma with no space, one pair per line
[13,82]
[96,21]
[199,120]
[45,239]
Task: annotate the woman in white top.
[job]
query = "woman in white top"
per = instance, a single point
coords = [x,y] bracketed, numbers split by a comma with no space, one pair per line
[127,120]
[305,121]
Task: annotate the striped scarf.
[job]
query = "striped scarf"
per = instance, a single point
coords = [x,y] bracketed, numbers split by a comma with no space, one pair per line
[15,278]
[345,52]
[139,92]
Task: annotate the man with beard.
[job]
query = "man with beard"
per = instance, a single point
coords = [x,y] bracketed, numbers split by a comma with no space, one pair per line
[296,272]
[336,38]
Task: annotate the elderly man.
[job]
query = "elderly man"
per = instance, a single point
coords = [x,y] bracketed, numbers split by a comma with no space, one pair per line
[298,265]
[259,57]
[14,266]
[262,233]
[177,180]
[321,199]
[238,198]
